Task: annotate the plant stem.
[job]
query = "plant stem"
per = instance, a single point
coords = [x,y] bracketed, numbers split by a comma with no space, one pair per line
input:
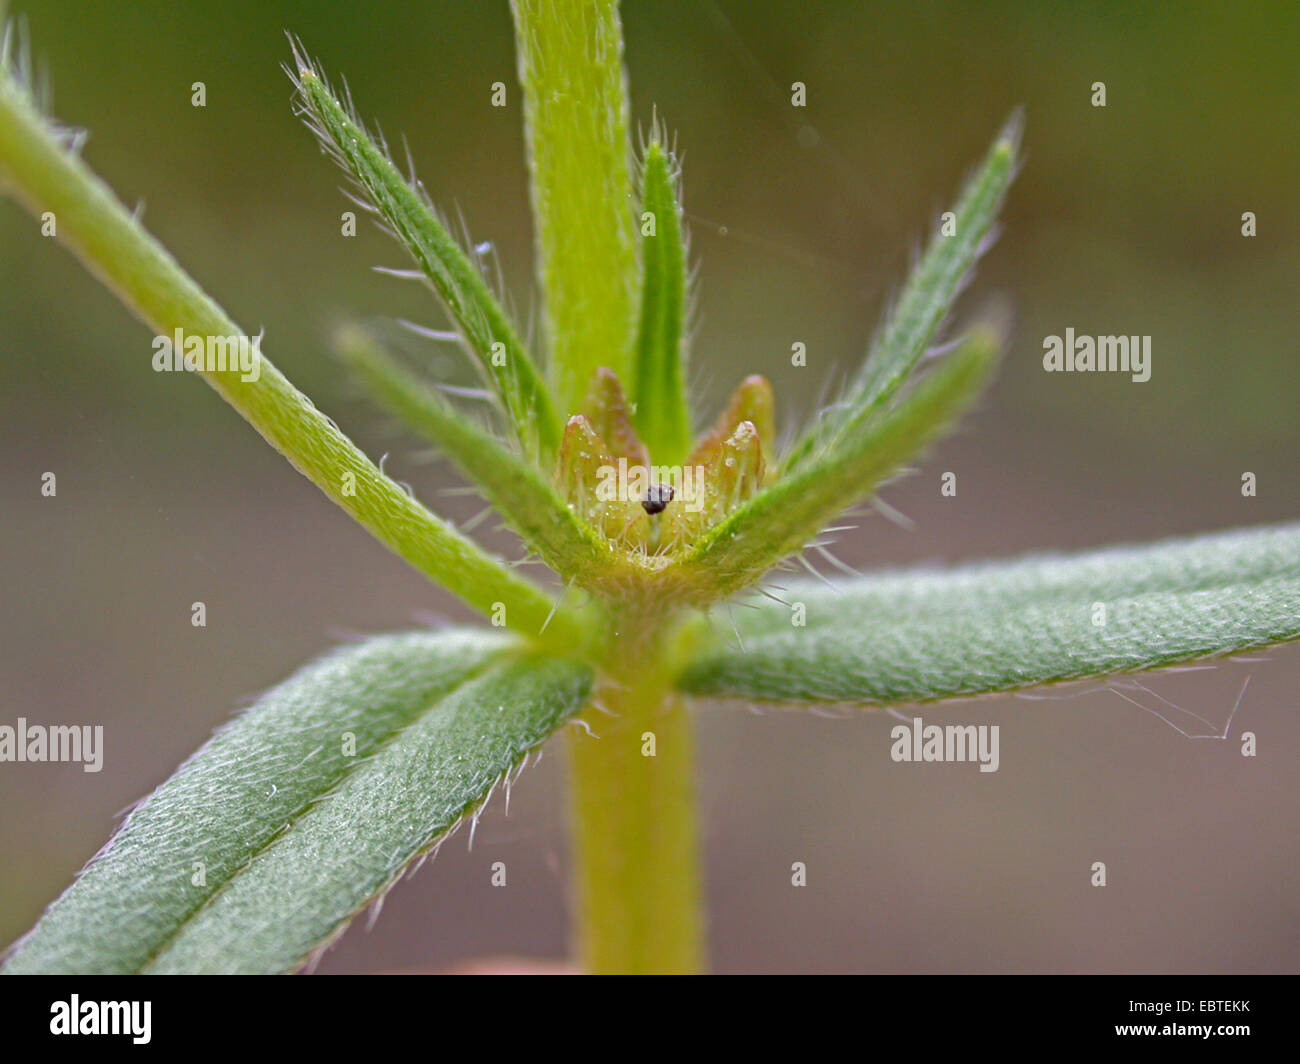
[575,110]
[638,890]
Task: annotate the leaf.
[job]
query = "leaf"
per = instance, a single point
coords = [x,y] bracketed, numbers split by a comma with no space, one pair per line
[487,331]
[518,490]
[923,635]
[867,435]
[294,831]
[663,415]
[917,315]
[45,174]
[784,516]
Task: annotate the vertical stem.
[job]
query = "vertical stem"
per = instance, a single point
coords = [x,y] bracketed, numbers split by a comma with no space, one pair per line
[638,893]
[575,111]
[638,879]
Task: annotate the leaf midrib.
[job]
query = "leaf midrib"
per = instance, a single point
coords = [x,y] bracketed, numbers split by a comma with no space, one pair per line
[472,674]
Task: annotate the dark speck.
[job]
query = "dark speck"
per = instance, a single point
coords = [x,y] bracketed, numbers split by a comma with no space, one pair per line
[657,498]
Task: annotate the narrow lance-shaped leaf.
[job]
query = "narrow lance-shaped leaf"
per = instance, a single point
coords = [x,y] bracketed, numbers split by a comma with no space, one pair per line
[663,416]
[521,493]
[929,634]
[913,322]
[262,846]
[45,176]
[783,517]
[256,774]
[575,127]
[488,333]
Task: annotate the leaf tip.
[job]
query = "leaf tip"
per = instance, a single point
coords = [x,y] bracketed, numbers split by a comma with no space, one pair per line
[1005,152]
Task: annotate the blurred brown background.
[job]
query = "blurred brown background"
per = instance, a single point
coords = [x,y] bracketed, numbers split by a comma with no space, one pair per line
[1125,220]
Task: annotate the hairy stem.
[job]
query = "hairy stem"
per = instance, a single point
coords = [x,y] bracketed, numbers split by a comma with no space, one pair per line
[575,110]
[637,869]
[638,888]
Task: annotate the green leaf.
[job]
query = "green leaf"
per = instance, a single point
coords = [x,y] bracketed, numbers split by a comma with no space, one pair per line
[923,635]
[663,416]
[519,491]
[44,175]
[296,829]
[575,126]
[784,517]
[483,324]
[916,317]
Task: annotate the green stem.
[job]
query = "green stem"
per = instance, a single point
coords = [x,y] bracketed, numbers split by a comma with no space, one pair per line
[575,110]
[638,889]
[634,832]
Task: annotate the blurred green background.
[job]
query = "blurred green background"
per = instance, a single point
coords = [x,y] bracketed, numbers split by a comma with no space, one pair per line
[1125,219]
